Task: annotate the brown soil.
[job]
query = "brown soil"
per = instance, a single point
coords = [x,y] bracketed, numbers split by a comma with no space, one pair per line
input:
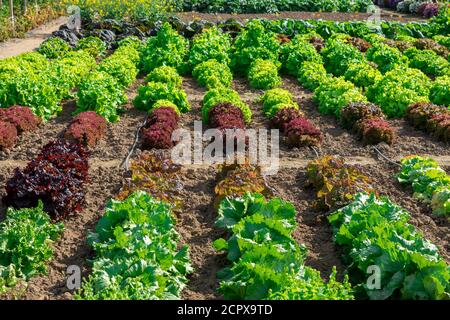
[388,15]
[32,40]
[195,221]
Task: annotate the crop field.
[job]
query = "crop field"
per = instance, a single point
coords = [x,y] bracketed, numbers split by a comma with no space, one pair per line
[89,130]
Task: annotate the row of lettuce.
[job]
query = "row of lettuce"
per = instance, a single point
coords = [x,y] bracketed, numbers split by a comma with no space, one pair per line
[35,85]
[341,70]
[136,247]
[376,236]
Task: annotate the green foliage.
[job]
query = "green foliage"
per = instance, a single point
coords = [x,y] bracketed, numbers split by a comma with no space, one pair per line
[265,255]
[136,253]
[275,6]
[212,74]
[54,48]
[387,58]
[398,89]
[337,56]
[428,62]
[212,43]
[313,287]
[376,232]
[92,45]
[263,74]
[36,91]
[133,42]
[149,94]
[362,74]
[222,95]
[120,66]
[443,40]
[440,203]
[440,91]
[426,178]
[66,74]
[100,92]
[312,74]
[253,43]
[167,48]
[26,238]
[31,80]
[294,53]
[276,99]
[334,94]
[165,74]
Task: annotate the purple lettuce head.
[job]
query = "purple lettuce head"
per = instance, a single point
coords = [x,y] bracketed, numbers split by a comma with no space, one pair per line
[430,10]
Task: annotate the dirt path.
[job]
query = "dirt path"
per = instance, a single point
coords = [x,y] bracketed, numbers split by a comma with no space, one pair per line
[32,40]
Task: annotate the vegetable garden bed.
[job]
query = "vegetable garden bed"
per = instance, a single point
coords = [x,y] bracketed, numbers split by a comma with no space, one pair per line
[195,221]
[183,80]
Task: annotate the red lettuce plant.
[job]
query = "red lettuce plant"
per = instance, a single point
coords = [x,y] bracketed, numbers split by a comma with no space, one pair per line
[229,119]
[226,116]
[428,10]
[87,128]
[160,127]
[56,177]
[375,130]
[360,44]
[439,126]
[301,132]
[359,110]
[317,43]
[8,135]
[430,117]
[418,114]
[21,117]
[430,44]
[284,116]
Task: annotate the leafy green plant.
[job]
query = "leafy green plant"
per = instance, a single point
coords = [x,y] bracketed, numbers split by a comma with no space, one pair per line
[100,92]
[428,62]
[398,89]
[212,43]
[334,94]
[294,53]
[120,67]
[362,74]
[26,238]
[426,178]
[337,56]
[375,231]
[212,74]
[167,48]
[253,43]
[265,255]
[440,91]
[137,255]
[311,75]
[93,45]
[165,74]
[387,58]
[276,99]
[54,48]
[263,74]
[150,93]
[222,95]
